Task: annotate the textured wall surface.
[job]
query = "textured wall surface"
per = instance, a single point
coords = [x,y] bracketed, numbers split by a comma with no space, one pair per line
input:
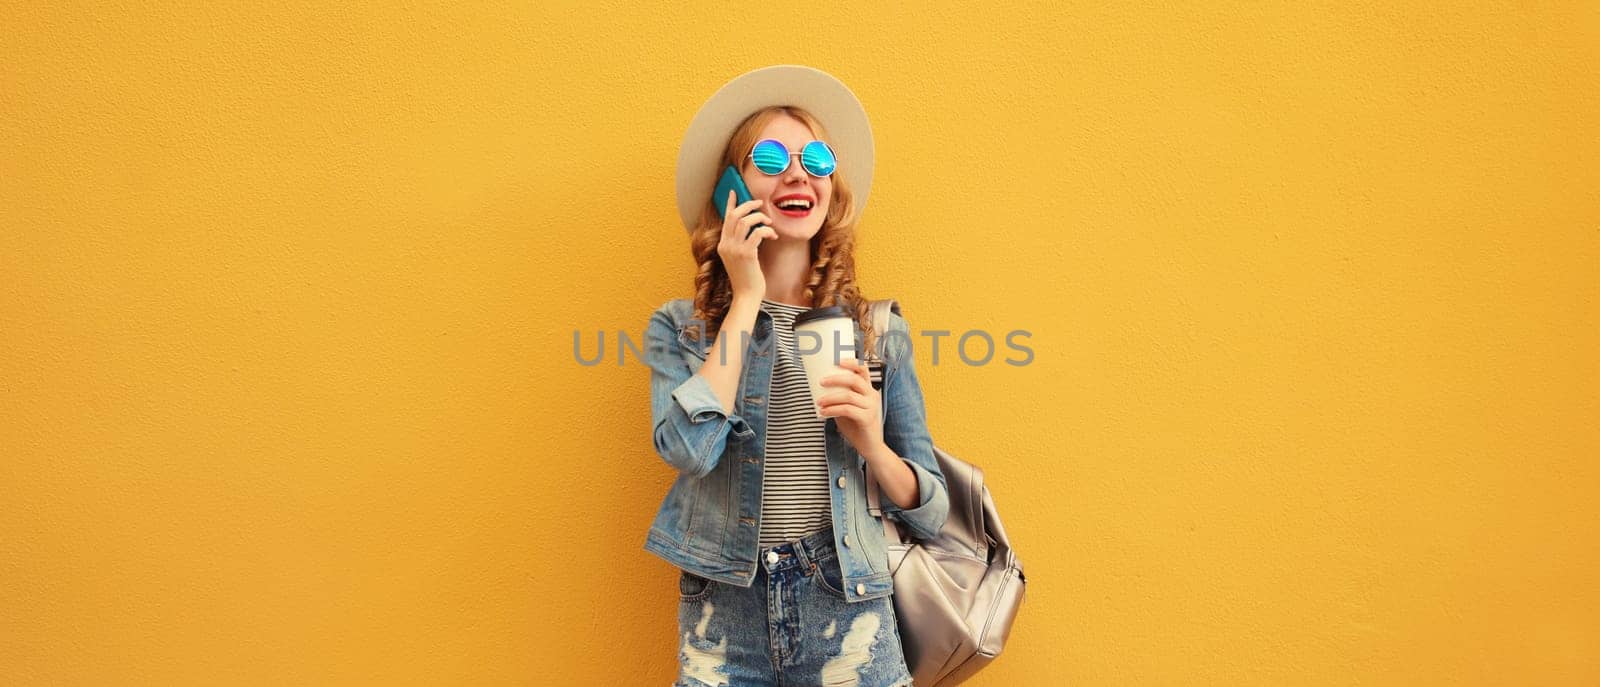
[288,391]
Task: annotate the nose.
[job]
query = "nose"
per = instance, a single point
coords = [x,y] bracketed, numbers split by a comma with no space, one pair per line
[796,173]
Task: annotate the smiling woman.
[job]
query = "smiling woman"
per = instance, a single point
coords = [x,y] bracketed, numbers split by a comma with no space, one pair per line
[824,231]
[782,572]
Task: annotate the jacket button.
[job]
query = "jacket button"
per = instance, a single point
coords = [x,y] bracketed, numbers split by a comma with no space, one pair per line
[861,589]
[847,540]
[772,556]
[841,482]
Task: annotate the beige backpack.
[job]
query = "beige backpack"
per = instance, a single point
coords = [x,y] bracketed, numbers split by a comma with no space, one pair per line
[956,595]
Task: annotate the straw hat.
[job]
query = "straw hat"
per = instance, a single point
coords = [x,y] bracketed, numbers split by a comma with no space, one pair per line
[816,91]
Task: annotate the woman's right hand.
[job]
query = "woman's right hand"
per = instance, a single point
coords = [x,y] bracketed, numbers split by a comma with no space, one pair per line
[738,252]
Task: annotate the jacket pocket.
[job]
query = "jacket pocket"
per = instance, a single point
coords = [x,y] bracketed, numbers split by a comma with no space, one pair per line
[692,587]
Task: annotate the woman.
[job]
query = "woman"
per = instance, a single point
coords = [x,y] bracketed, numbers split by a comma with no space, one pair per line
[785,577]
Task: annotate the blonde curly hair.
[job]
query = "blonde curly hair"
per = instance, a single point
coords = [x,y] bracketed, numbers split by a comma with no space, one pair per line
[833,267]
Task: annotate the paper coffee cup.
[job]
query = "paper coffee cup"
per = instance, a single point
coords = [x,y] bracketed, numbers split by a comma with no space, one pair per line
[822,338]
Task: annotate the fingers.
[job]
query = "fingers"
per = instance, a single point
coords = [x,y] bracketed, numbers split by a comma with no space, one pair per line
[866,377]
[856,379]
[850,383]
[858,415]
[746,227]
[733,197]
[844,397]
[755,235]
[739,217]
[755,217]
[843,404]
[859,367]
[851,394]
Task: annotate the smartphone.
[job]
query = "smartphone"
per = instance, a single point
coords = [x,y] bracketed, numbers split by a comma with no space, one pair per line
[732,181]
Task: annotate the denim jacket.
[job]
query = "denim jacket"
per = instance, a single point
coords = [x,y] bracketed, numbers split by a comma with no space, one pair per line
[709,524]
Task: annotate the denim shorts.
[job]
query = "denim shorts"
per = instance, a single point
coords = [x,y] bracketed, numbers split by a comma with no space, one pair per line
[790,627]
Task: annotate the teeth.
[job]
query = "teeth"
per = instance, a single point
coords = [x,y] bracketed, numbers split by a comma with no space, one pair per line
[797,203]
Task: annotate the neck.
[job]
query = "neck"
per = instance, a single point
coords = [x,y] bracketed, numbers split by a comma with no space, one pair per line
[785,264]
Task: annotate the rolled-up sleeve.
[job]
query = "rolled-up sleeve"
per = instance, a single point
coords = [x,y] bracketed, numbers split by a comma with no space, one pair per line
[689,425]
[905,431]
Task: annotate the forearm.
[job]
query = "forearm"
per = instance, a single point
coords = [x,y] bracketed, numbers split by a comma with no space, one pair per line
[725,360]
[895,478]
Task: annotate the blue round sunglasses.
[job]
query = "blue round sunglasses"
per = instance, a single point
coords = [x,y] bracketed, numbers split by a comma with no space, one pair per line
[772,157]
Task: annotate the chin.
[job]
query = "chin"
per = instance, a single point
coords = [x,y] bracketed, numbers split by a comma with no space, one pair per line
[800,233]
[805,233]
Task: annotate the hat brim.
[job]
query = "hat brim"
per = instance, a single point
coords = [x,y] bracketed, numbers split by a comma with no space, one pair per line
[816,91]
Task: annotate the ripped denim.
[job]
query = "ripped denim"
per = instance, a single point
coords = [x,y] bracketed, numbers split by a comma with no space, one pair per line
[790,627]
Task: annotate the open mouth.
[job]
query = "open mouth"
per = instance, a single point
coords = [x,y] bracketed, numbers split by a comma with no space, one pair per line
[794,208]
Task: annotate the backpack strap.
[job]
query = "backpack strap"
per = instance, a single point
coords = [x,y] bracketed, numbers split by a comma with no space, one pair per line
[874,358]
[878,311]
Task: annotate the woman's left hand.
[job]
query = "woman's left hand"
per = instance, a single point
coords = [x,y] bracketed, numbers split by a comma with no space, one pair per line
[856,407]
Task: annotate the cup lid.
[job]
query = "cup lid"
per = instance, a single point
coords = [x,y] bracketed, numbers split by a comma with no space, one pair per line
[820,314]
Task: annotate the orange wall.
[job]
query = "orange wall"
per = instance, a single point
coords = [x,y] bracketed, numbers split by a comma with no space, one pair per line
[287,299]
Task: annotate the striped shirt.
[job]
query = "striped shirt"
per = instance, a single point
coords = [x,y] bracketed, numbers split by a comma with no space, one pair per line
[794,489]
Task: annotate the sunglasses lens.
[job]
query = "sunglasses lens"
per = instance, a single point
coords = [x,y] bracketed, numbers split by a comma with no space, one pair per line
[817,158]
[770,157]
